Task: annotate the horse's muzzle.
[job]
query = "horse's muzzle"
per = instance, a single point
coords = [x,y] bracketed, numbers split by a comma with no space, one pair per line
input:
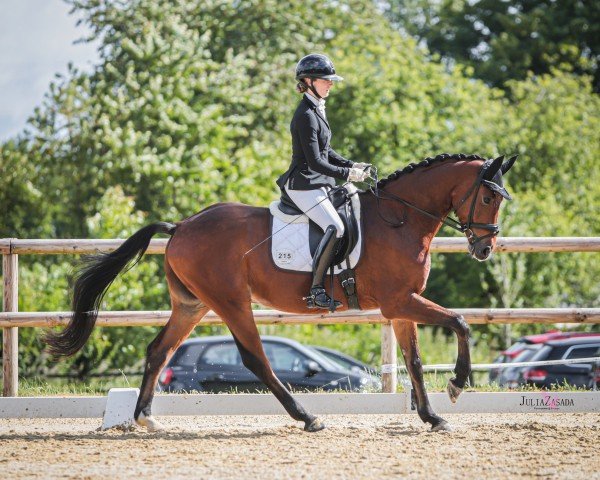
[480,252]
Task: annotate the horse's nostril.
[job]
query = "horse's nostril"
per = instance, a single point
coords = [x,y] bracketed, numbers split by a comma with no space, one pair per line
[486,251]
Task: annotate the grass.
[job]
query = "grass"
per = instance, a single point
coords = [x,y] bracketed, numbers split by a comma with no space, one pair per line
[437,383]
[38,387]
[362,342]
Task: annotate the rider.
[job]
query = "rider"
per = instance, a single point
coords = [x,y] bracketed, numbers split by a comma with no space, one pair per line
[315,166]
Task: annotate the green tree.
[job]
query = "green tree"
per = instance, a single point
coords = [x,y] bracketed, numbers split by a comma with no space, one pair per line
[24,211]
[190,105]
[504,40]
[46,286]
[180,110]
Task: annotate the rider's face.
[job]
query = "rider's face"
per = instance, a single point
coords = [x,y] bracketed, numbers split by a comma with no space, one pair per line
[322,86]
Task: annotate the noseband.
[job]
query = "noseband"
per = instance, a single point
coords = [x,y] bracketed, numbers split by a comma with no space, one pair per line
[466,227]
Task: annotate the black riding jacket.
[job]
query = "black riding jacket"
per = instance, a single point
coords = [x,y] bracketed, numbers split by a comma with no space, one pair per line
[314,162]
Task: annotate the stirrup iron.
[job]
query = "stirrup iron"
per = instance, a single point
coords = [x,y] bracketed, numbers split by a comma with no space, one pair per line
[318,298]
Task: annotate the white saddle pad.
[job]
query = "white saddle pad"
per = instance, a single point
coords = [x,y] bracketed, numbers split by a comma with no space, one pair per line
[290,246]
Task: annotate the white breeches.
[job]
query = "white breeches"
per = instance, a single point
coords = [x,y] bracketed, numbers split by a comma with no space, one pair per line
[323,214]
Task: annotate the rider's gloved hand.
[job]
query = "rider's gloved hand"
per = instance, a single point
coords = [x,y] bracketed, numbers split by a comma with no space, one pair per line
[361,165]
[357,175]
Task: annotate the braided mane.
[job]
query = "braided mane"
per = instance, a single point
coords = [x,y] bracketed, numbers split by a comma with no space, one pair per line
[426,163]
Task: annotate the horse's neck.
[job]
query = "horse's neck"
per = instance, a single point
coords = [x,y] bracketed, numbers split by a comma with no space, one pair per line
[430,189]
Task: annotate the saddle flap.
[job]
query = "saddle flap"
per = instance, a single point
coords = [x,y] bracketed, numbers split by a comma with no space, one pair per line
[295,237]
[342,202]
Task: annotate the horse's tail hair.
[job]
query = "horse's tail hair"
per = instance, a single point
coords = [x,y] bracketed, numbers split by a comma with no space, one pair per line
[92,280]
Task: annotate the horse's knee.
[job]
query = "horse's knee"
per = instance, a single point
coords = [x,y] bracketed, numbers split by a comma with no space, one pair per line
[460,326]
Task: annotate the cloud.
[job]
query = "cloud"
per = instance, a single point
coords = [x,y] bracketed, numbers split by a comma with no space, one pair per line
[36,42]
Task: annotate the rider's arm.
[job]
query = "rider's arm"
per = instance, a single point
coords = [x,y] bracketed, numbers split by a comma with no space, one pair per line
[307,129]
[336,159]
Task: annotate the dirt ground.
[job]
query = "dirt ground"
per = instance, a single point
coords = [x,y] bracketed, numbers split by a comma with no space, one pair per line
[353,446]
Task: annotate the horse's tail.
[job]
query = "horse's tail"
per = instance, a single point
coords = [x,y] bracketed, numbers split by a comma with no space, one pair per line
[91,283]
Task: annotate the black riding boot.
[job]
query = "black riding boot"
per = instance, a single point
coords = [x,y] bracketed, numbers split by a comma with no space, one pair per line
[324,254]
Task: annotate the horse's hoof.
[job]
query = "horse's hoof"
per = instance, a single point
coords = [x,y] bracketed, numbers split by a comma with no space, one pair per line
[150,423]
[443,426]
[453,390]
[314,426]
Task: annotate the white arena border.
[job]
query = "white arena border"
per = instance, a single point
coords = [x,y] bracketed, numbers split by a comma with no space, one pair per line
[123,401]
[318,403]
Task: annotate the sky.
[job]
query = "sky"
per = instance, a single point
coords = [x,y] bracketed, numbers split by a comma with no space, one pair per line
[36,42]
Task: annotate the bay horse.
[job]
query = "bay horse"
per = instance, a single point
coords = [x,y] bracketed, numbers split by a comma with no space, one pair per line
[206,269]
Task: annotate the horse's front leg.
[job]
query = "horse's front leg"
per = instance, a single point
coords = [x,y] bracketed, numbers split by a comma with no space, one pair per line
[406,333]
[417,309]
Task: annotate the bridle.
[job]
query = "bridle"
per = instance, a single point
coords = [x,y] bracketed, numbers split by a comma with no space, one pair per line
[466,227]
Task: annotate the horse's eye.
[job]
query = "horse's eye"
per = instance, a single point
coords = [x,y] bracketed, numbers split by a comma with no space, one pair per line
[487,200]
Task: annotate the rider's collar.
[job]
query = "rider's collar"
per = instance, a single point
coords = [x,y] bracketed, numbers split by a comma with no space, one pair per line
[316,101]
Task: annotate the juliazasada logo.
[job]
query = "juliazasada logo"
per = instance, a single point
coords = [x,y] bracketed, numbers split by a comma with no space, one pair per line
[547,401]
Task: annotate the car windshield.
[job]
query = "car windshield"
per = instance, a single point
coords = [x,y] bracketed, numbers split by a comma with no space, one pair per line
[515,348]
[335,361]
[325,361]
[285,357]
[527,353]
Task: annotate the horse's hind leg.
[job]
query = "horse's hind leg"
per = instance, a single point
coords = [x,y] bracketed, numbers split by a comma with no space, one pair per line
[187,312]
[406,333]
[240,321]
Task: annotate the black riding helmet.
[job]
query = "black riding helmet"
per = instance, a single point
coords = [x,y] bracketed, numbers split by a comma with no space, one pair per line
[316,66]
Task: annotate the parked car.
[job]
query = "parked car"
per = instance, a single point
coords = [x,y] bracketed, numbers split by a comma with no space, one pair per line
[523,350]
[575,374]
[346,361]
[213,364]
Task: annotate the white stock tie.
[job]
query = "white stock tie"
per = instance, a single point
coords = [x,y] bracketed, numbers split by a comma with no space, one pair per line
[321,108]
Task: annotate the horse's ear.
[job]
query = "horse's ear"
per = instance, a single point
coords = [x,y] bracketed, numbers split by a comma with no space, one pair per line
[493,168]
[506,166]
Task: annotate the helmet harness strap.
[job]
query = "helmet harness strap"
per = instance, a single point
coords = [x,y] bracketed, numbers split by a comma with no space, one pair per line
[312,88]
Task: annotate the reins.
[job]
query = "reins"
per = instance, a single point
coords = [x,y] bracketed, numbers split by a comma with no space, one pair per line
[380,194]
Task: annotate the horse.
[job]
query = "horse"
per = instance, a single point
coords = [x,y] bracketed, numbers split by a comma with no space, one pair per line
[206,269]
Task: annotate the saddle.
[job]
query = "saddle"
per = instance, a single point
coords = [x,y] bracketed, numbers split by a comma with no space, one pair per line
[341,198]
[295,237]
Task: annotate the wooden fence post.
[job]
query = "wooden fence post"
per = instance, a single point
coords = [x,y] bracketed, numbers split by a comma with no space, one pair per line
[389,359]
[10,336]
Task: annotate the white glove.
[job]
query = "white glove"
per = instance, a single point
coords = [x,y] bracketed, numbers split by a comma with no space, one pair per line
[361,165]
[357,175]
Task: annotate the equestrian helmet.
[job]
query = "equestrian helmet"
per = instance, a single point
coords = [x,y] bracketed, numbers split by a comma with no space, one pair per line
[316,66]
